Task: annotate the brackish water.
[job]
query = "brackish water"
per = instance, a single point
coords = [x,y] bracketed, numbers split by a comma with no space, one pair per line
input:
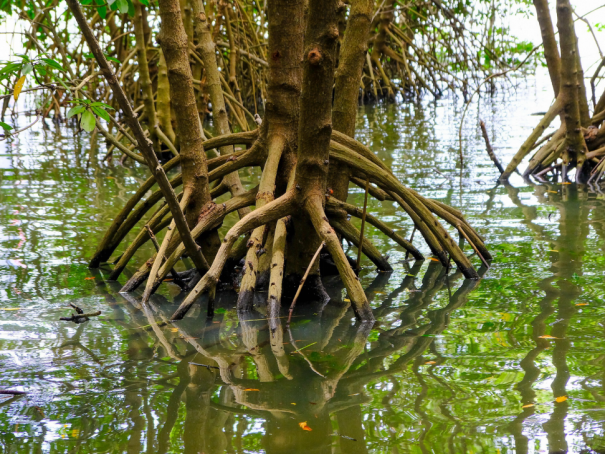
[512,363]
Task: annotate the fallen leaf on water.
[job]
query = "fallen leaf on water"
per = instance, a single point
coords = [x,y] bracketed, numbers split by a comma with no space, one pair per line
[251,389]
[561,399]
[547,337]
[582,304]
[292,403]
[9,309]
[88,278]
[19,87]
[431,362]
[527,406]
[303,426]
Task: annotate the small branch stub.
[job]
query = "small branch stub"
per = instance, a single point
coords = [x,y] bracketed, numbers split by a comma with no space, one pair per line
[315,57]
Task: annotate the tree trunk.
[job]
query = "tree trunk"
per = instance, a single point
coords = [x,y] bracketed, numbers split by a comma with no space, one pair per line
[347,82]
[575,145]
[144,78]
[163,100]
[551,50]
[206,48]
[175,46]
[314,135]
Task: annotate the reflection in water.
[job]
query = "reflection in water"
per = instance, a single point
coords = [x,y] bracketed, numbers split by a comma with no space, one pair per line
[238,384]
[511,363]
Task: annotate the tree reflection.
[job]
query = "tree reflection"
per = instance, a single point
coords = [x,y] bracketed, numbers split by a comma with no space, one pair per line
[246,383]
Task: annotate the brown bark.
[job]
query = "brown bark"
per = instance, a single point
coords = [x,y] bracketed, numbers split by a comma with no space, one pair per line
[286,38]
[575,145]
[144,145]
[163,100]
[314,135]
[347,82]
[175,46]
[551,49]
[144,78]
[206,48]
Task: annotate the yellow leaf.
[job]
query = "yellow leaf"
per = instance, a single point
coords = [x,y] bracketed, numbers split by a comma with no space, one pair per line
[434,260]
[582,304]
[553,192]
[9,309]
[19,87]
[561,399]
[88,278]
[547,337]
[292,403]
[552,250]
[528,406]
[303,426]
[174,330]
[251,389]
[567,182]
[431,362]
[347,300]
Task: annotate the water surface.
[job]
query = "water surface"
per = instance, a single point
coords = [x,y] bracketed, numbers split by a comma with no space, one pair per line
[511,363]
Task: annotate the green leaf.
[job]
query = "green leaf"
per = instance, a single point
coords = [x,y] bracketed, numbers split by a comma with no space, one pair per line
[52,63]
[75,110]
[11,68]
[113,59]
[5,126]
[101,113]
[88,121]
[122,6]
[101,104]
[27,68]
[130,8]
[101,8]
[41,71]
[144,2]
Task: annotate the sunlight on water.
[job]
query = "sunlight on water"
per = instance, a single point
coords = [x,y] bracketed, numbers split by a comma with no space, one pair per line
[511,363]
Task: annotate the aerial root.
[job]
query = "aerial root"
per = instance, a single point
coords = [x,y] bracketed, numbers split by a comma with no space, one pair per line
[276,277]
[211,218]
[554,147]
[314,209]
[161,254]
[352,235]
[266,194]
[116,232]
[436,236]
[267,226]
[270,212]
[333,204]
